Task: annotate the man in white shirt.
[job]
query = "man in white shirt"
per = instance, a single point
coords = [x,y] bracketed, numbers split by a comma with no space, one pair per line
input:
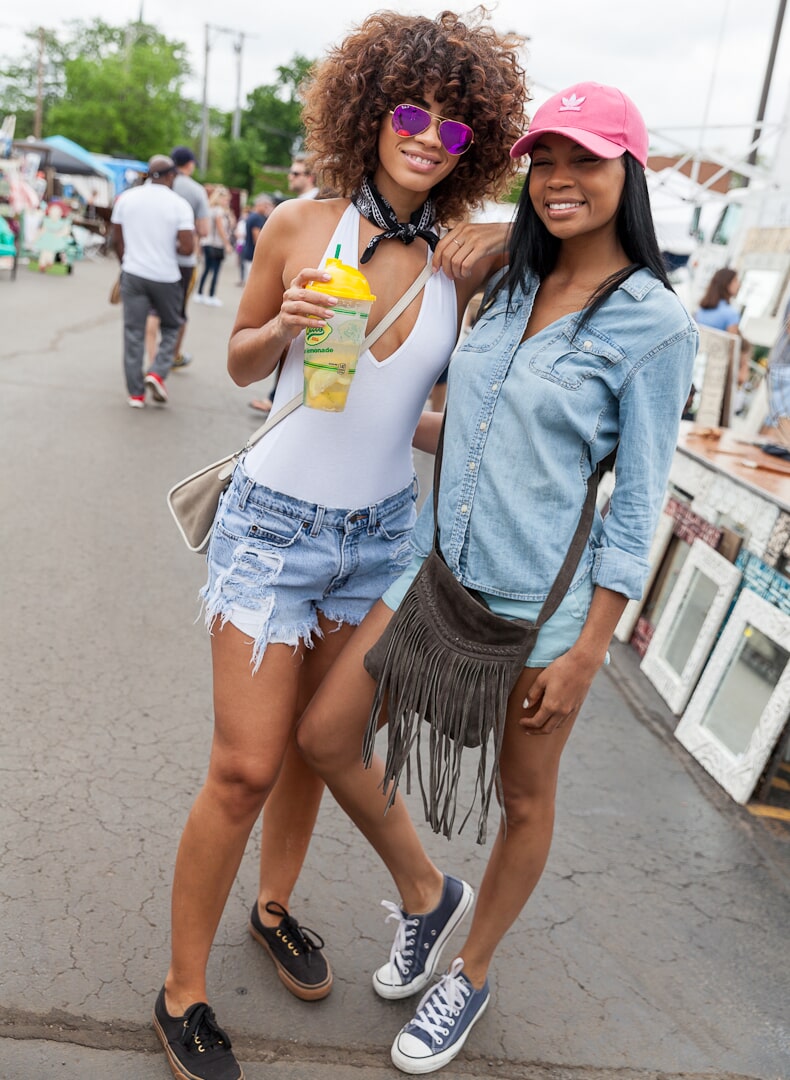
[151,226]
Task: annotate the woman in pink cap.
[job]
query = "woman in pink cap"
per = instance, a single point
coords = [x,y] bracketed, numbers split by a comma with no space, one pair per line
[582,352]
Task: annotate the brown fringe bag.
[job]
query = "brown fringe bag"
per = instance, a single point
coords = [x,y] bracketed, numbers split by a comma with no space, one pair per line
[447,659]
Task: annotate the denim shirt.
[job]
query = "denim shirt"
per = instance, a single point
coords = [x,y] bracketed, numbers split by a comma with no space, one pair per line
[527,424]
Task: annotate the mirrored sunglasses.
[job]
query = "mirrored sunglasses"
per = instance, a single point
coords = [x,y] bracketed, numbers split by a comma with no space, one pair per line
[410,120]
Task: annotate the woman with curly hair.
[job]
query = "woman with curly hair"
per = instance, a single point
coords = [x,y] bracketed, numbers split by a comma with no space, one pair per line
[409,121]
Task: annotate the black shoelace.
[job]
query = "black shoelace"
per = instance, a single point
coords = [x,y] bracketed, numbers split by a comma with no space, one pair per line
[307,939]
[202,1029]
[374,207]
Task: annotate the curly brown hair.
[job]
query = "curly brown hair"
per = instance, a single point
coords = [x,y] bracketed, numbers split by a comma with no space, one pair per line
[474,73]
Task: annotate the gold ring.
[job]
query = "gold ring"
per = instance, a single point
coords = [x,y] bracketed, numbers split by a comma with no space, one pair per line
[457,242]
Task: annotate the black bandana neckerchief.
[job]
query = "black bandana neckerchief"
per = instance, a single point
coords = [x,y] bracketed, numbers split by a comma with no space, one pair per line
[374,207]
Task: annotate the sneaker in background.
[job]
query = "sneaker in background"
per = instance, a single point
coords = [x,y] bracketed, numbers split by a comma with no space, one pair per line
[137,401]
[212,301]
[195,1044]
[296,952]
[182,360]
[441,1024]
[156,385]
[419,940]
[198,298]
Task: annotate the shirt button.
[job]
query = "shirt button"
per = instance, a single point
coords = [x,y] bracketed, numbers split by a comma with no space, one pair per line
[472,466]
[495,386]
[587,344]
[464,509]
[484,426]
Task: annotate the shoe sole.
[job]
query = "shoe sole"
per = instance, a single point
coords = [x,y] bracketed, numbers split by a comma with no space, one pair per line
[301,990]
[397,993]
[176,1067]
[420,1066]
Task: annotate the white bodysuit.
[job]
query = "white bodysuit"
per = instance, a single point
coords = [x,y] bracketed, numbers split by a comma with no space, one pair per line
[362,455]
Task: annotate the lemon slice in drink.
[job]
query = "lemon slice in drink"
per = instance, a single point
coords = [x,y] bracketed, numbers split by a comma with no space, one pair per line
[320,381]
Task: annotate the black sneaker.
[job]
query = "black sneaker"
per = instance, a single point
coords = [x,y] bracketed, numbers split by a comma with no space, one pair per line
[196,1046]
[296,952]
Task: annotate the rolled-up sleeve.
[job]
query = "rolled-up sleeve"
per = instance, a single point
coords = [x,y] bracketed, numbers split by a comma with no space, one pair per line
[650,408]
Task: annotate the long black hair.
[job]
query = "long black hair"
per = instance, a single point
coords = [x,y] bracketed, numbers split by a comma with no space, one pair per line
[532,247]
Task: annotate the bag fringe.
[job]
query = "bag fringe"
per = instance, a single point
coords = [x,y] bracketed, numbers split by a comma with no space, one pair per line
[442,696]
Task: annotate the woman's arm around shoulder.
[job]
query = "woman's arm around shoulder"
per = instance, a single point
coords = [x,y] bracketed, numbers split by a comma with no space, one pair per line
[275,306]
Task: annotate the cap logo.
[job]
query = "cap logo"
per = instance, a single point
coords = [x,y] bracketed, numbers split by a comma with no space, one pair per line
[572,103]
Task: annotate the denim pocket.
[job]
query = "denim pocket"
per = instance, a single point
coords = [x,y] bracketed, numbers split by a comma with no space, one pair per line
[260,523]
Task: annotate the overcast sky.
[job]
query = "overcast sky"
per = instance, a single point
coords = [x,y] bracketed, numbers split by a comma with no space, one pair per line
[682,61]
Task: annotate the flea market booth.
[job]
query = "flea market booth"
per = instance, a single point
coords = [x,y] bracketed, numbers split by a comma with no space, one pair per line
[713,626]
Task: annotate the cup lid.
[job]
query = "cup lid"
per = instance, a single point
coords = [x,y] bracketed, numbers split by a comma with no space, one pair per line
[347,282]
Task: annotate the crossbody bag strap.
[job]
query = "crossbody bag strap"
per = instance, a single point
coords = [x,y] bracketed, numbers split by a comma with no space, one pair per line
[580,537]
[416,286]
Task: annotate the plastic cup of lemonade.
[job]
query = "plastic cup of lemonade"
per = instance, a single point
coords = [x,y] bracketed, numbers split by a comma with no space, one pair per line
[331,349]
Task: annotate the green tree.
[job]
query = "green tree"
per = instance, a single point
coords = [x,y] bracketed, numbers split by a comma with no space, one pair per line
[116,89]
[271,127]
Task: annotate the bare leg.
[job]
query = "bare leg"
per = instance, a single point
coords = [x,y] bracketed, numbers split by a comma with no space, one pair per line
[151,338]
[529,765]
[330,738]
[292,808]
[254,717]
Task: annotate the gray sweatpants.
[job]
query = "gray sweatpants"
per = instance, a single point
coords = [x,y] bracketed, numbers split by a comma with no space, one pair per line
[140,296]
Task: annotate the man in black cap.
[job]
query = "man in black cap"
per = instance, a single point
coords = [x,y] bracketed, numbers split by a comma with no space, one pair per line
[151,226]
[195,194]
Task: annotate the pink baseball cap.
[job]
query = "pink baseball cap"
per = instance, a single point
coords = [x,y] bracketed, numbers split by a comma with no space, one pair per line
[599,118]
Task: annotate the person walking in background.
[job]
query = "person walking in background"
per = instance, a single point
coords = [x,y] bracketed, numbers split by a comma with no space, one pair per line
[583,349]
[216,245]
[195,194]
[411,119]
[301,178]
[239,236]
[262,208]
[151,226]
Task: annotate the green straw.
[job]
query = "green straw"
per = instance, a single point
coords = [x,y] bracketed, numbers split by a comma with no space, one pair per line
[337,252]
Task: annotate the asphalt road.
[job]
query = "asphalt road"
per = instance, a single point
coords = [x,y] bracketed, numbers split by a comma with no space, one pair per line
[655,947]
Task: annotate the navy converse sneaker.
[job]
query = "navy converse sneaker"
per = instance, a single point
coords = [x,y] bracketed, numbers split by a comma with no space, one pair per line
[296,952]
[196,1046]
[419,941]
[440,1027]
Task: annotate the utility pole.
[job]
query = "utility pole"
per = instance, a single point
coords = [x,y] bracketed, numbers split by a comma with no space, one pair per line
[780,15]
[204,120]
[238,46]
[37,122]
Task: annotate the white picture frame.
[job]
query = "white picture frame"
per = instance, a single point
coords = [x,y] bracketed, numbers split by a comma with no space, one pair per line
[686,632]
[738,772]
[715,376]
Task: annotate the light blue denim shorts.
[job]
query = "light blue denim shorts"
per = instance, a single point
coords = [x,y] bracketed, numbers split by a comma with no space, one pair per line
[274,562]
[555,637]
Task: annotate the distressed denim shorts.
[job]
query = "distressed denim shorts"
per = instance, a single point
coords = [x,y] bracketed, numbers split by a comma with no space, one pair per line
[555,637]
[274,562]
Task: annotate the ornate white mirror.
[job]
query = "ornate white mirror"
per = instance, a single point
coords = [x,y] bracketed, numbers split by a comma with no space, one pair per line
[687,629]
[742,702]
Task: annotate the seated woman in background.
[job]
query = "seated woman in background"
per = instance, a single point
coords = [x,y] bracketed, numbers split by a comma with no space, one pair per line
[716,310]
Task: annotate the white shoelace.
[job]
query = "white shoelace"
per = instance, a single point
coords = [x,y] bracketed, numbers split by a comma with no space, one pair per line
[438,1010]
[402,951]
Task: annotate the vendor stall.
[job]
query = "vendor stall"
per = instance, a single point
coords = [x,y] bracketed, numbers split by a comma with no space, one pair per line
[714,625]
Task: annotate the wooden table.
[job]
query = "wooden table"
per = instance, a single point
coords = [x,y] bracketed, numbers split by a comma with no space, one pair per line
[747,464]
